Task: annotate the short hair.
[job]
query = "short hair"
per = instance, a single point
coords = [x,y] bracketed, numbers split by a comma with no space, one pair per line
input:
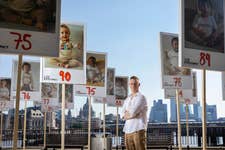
[174,39]
[26,64]
[92,58]
[65,26]
[134,78]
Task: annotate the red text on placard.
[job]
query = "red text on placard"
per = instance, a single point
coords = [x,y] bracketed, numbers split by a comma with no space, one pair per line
[46,101]
[65,76]
[2,104]
[118,102]
[180,93]
[205,59]
[90,90]
[177,81]
[22,41]
[26,95]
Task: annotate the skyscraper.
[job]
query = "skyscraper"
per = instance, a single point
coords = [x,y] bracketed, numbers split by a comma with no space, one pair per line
[158,112]
[211,113]
[197,111]
[173,111]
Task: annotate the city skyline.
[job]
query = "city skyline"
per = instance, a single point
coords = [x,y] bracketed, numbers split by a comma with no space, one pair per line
[127,28]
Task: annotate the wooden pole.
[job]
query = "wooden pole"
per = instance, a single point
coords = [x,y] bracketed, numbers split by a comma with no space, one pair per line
[63,118]
[89,122]
[24,124]
[16,114]
[45,124]
[1,129]
[104,126]
[204,139]
[117,126]
[187,127]
[50,122]
[178,120]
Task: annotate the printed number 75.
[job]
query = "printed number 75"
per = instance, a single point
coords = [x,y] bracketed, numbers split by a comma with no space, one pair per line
[26,44]
[91,91]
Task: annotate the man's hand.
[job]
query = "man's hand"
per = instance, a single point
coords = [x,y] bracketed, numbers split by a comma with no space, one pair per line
[127,115]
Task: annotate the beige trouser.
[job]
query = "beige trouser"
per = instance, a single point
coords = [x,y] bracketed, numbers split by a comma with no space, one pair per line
[136,140]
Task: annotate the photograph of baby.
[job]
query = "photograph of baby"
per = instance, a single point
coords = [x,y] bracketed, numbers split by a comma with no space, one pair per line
[49,90]
[33,15]
[69,93]
[5,88]
[204,25]
[95,69]
[169,52]
[121,88]
[30,76]
[110,81]
[71,53]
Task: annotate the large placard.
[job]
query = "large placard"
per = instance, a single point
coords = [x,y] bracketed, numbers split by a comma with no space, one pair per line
[30,80]
[121,91]
[110,88]
[202,34]
[187,96]
[96,76]
[69,67]
[30,27]
[173,77]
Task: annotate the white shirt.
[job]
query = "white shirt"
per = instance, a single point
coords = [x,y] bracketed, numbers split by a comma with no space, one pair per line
[137,107]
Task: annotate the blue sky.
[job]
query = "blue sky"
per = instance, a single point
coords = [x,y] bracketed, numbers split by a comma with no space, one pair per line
[128,30]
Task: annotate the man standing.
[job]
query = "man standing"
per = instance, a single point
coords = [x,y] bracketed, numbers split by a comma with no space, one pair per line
[135,113]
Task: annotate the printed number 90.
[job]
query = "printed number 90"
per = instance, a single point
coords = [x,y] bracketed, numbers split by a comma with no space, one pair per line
[65,76]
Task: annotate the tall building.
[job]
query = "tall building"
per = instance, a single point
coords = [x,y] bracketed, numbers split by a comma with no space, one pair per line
[158,112]
[211,113]
[197,111]
[9,120]
[35,118]
[69,115]
[173,112]
[51,120]
[84,111]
